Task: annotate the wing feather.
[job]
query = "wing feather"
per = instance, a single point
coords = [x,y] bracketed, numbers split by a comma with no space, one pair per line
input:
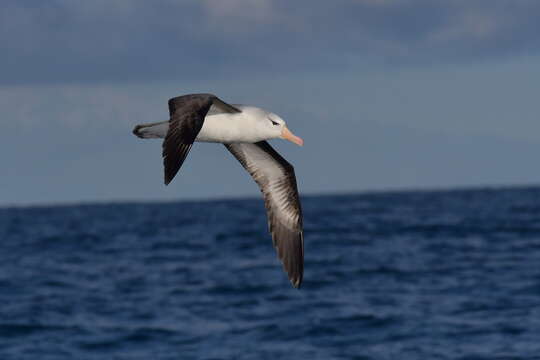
[277,181]
[187,114]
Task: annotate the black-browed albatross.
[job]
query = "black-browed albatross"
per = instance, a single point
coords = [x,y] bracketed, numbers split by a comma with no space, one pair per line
[243,130]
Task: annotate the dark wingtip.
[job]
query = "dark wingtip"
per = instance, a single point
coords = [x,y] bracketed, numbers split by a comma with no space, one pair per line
[167,181]
[168,177]
[296,283]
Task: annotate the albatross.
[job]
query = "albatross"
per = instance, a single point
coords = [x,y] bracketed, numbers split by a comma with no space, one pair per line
[243,130]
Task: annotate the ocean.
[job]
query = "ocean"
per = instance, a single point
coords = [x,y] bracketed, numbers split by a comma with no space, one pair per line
[396,275]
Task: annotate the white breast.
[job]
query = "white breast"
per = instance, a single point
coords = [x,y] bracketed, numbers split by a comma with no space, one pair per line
[230,128]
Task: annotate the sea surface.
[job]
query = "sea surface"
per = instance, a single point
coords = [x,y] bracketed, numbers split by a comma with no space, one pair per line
[411,275]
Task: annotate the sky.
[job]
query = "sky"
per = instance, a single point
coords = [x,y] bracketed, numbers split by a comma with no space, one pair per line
[387,94]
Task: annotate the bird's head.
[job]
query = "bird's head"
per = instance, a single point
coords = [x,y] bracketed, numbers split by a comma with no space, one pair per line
[278,128]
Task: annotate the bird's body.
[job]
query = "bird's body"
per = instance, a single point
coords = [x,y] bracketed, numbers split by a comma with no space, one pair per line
[243,130]
[218,127]
[232,128]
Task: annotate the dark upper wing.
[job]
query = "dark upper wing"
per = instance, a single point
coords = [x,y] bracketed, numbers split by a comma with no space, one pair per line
[187,117]
[275,176]
[218,105]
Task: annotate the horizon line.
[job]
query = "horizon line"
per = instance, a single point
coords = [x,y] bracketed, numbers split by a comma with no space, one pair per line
[366,192]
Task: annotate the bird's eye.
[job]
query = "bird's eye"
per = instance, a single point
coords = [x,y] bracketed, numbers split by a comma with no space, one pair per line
[273,122]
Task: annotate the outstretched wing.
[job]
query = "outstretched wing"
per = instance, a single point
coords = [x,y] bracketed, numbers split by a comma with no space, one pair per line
[187,117]
[276,179]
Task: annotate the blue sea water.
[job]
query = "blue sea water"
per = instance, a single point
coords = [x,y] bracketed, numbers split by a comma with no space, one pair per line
[412,275]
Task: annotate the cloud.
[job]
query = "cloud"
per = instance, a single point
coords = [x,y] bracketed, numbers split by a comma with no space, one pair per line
[118,41]
[378,128]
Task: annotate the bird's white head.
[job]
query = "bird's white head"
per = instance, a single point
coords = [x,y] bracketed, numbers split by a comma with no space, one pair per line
[264,125]
[277,127]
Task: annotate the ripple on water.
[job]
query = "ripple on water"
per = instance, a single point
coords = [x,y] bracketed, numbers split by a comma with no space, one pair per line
[432,275]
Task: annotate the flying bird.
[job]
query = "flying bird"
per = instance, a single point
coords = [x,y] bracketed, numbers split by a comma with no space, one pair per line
[244,131]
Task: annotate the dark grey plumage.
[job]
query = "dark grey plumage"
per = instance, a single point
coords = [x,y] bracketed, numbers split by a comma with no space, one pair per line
[276,179]
[187,115]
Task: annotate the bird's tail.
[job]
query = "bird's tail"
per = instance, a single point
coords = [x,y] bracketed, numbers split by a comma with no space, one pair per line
[156,130]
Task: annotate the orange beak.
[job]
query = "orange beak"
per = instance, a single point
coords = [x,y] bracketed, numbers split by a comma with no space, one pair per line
[288,135]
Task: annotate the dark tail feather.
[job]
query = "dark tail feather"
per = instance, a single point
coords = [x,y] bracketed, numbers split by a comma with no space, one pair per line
[156,130]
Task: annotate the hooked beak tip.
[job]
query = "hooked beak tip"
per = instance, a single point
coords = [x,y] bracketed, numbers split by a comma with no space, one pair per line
[288,135]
